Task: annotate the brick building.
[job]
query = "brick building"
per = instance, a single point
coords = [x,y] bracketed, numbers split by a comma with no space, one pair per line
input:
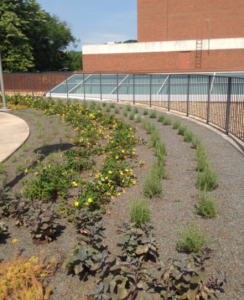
[177,36]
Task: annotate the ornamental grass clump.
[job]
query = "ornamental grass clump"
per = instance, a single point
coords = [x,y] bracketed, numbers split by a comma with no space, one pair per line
[148,126]
[206,205]
[135,110]
[116,111]
[125,113]
[155,137]
[181,130]
[207,179]
[139,212]
[128,107]
[107,109]
[104,104]
[111,105]
[138,118]
[161,118]
[196,142]
[152,185]
[145,112]
[192,239]
[160,149]
[153,114]
[176,124]
[188,136]
[201,158]
[131,116]
[167,121]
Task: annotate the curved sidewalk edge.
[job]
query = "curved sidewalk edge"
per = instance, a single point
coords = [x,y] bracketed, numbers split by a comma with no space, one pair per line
[13,133]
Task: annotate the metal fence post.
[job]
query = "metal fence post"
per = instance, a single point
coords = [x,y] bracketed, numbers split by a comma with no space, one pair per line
[101,93]
[117,87]
[150,90]
[133,89]
[49,84]
[169,93]
[13,83]
[32,85]
[84,86]
[188,94]
[228,104]
[209,96]
[67,86]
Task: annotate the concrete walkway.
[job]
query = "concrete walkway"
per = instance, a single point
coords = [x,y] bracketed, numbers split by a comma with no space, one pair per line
[13,133]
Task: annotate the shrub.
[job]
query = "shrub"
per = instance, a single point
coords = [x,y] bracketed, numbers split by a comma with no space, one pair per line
[107,109]
[139,211]
[153,114]
[135,110]
[128,107]
[159,166]
[116,110]
[137,242]
[125,113]
[186,278]
[145,112]
[207,180]
[41,222]
[152,185]
[111,105]
[206,205]
[188,136]
[104,104]
[182,129]
[176,124]
[161,118]
[131,116]
[138,118]
[193,239]
[167,121]
[83,218]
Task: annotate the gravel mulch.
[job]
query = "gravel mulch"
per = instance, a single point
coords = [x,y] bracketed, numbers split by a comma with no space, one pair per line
[227,229]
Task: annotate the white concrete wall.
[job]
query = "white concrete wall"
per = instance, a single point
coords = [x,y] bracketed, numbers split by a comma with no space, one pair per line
[190,45]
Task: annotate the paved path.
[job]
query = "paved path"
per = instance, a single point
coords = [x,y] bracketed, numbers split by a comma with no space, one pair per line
[13,133]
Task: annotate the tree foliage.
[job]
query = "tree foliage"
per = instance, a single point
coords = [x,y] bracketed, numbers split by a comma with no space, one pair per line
[31,39]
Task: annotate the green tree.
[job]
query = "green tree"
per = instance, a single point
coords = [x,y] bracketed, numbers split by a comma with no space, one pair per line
[74,62]
[31,39]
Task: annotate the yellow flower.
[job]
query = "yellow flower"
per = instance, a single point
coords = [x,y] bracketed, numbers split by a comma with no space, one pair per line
[110,172]
[61,155]
[123,191]
[38,161]
[116,157]
[14,241]
[89,200]
[26,170]
[108,212]
[36,173]
[123,151]
[106,177]
[21,192]
[74,183]
[76,203]
[118,194]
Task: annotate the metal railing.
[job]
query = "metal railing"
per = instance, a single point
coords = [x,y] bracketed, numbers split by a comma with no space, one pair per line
[216,100]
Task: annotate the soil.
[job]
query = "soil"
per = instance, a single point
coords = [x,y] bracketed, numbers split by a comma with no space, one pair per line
[227,229]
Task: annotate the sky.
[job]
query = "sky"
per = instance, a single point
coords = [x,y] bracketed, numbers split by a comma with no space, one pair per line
[96,21]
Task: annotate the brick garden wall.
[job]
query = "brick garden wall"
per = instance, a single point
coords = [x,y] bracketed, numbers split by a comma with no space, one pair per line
[173,20]
[163,61]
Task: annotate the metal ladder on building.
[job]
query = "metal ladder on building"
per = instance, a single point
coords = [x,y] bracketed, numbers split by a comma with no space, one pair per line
[198,60]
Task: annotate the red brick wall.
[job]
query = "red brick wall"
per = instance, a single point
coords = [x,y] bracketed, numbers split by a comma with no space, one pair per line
[170,20]
[163,61]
